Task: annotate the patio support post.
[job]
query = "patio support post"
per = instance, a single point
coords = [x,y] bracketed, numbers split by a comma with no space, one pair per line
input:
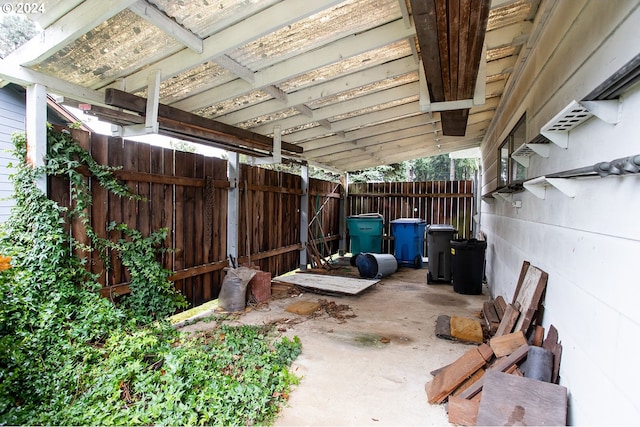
[304,216]
[37,129]
[342,245]
[233,204]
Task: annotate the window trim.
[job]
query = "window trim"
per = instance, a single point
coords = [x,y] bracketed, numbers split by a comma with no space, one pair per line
[511,164]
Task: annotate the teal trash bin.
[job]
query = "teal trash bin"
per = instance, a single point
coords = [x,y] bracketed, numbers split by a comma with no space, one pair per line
[365,233]
[408,240]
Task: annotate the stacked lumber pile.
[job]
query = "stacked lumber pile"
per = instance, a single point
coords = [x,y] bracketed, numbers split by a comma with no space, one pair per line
[512,379]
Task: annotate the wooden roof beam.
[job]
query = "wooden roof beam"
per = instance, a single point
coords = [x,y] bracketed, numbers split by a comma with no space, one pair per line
[176,120]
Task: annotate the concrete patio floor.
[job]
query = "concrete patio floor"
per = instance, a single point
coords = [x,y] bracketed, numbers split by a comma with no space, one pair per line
[370,369]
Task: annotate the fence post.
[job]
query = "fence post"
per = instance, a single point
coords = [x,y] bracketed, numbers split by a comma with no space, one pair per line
[342,246]
[233,204]
[304,216]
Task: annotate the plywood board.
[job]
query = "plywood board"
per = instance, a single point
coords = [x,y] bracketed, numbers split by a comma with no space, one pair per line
[513,400]
[325,283]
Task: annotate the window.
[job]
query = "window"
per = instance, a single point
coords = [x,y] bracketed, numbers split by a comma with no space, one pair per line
[510,171]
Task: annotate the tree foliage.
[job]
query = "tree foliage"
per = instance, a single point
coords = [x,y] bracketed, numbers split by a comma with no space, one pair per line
[15,30]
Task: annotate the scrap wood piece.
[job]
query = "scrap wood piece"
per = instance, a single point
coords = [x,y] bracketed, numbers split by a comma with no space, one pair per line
[504,345]
[513,400]
[466,329]
[468,382]
[500,305]
[323,283]
[303,308]
[529,294]
[453,375]
[500,365]
[508,320]
[551,343]
[443,327]
[490,316]
[462,411]
[538,336]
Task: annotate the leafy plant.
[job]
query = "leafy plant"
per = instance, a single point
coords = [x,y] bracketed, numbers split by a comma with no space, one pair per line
[152,295]
[71,357]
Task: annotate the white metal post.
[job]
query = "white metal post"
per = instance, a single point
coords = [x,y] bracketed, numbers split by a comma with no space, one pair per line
[36,128]
[304,216]
[342,245]
[233,204]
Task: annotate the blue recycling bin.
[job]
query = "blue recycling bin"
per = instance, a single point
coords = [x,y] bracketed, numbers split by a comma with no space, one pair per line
[408,239]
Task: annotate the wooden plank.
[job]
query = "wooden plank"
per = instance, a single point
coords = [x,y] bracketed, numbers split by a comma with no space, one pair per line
[179,235]
[552,344]
[533,286]
[321,282]
[454,122]
[116,157]
[172,115]
[500,305]
[455,32]
[99,207]
[513,400]
[500,365]
[468,382]
[523,272]
[490,316]
[426,23]
[477,29]
[462,411]
[538,336]
[197,270]
[453,375]
[508,321]
[504,345]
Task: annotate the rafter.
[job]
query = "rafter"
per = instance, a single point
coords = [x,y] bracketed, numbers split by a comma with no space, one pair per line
[305,62]
[67,29]
[359,103]
[245,31]
[318,91]
[158,18]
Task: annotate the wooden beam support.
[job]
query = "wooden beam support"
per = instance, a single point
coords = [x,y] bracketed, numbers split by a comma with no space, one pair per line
[174,119]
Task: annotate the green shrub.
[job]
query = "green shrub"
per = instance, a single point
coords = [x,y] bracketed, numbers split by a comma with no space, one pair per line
[71,357]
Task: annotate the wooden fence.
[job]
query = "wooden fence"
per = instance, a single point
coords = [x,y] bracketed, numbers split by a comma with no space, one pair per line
[187,194]
[436,202]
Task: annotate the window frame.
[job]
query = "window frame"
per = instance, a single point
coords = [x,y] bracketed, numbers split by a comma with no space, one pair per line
[511,172]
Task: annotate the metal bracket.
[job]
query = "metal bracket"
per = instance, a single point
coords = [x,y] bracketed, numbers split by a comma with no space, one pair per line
[538,186]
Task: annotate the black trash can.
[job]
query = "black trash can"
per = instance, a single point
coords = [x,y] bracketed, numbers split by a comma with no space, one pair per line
[467,265]
[439,252]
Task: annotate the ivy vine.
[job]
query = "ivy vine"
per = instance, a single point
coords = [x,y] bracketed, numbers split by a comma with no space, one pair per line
[71,357]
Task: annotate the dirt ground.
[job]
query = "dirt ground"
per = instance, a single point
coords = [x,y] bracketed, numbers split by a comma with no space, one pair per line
[366,358]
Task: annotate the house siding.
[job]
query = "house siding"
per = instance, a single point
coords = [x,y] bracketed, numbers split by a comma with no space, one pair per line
[589,244]
[12,119]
